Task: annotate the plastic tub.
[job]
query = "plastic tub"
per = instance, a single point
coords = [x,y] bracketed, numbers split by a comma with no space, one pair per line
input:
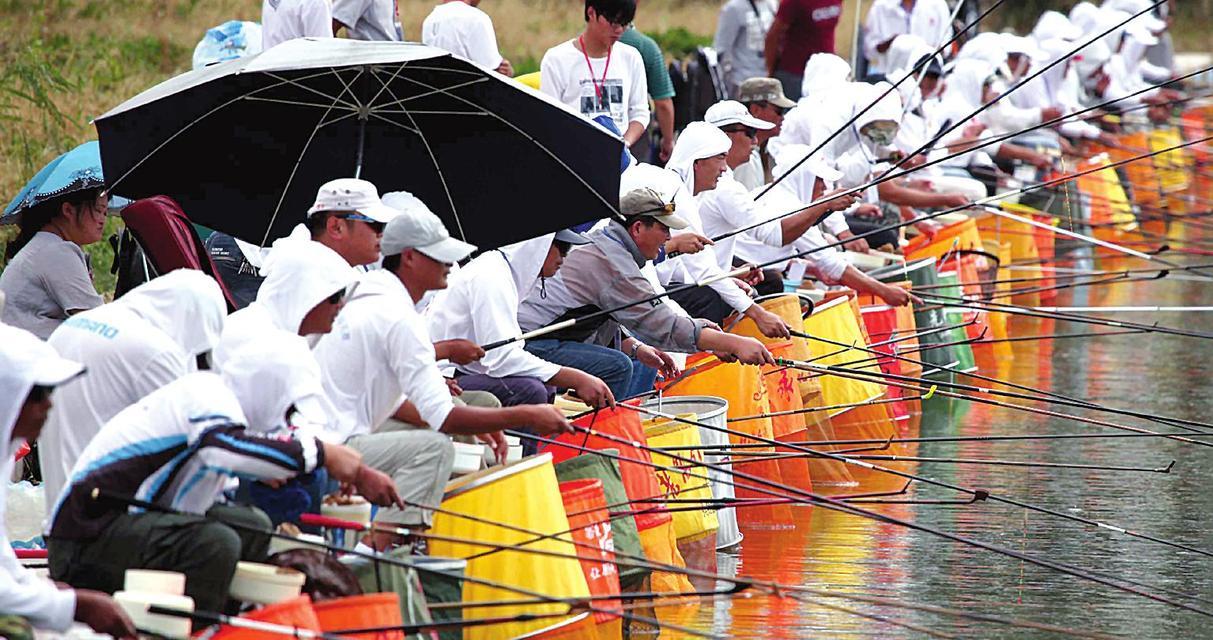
[265,583]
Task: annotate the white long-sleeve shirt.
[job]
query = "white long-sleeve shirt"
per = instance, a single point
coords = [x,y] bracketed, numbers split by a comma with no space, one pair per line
[481,305]
[696,267]
[730,207]
[463,30]
[615,86]
[378,355]
[887,19]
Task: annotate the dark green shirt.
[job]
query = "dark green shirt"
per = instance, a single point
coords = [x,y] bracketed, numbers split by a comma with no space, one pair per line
[654,63]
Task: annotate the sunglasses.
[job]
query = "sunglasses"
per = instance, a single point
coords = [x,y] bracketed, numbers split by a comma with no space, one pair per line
[375,225]
[750,132]
[783,111]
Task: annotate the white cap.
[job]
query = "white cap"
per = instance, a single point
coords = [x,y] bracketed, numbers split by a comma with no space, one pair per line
[1147,20]
[416,227]
[352,194]
[727,112]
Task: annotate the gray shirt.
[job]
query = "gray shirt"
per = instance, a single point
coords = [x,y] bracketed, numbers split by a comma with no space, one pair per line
[605,274]
[48,277]
[740,38]
[368,19]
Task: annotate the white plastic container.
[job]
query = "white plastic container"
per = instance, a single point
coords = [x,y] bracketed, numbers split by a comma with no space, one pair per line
[135,605]
[515,452]
[265,583]
[147,581]
[468,458]
[278,545]
[358,510]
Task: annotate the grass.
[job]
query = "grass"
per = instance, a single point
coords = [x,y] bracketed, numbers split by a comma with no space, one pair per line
[64,62]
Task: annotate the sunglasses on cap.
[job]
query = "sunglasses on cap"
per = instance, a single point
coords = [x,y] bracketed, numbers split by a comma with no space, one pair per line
[750,132]
[375,225]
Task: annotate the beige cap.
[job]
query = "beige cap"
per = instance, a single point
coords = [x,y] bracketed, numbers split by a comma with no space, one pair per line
[764,90]
[647,202]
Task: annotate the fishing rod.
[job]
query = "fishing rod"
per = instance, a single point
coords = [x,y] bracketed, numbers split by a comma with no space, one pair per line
[932,439]
[1127,309]
[920,66]
[104,495]
[946,485]
[564,324]
[1064,59]
[1019,310]
[1069,274]
[1046,396]
[826,502]
[1165,469]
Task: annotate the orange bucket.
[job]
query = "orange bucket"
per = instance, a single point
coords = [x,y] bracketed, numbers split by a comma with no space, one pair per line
[585,504]
[783,395]
[881,323]
[743,387]
[296,612]
[813,425]
[361,612]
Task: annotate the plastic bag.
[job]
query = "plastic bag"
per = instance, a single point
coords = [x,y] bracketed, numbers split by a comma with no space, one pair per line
[228,41]
[24,514]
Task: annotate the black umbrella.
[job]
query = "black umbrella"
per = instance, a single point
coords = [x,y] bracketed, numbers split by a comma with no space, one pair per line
[243,145]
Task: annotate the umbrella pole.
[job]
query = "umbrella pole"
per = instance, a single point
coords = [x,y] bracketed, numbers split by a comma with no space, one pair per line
[361,144]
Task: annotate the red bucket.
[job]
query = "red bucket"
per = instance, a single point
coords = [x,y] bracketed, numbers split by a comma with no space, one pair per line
[590,523]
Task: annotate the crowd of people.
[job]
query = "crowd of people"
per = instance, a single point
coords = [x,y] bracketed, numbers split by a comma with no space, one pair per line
[362,354]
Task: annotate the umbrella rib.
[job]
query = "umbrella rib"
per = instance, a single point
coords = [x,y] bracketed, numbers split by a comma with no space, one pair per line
[430,152]
[398,124]
[327,72]
[399,102]
[296,103]
[383,86]
[613,207]
[281,81]
[303,152]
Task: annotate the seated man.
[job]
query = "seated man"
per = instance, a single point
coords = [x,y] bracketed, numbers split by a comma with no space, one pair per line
[131,347]
[381,363]
[178,448]
[607,273]
[481,305]
[29,371]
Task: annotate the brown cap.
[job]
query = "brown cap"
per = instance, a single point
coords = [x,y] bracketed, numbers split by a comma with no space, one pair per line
[647,202]
[764,90]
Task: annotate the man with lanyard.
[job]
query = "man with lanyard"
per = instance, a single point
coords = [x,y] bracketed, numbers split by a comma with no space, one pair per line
[764,99]
[595,74]
[380,362]
[606,274]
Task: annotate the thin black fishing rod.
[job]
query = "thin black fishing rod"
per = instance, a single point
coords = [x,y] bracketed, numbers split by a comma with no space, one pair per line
[733,449]
[104,495]
[921,65]
[994,497]
[986,461]
[928,216]
[826,502]
[1042,395]
[981,144]
[1064,59]
[1019,310]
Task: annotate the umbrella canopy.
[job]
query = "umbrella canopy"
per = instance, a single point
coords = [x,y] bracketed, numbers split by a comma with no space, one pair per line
[243,145]
[75,170]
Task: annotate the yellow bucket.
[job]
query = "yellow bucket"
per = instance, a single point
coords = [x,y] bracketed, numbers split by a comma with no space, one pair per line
[529,79]
[681,484]
[492,496]
[954,237]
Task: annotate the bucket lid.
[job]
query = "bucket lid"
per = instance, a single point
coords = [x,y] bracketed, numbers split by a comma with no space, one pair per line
[488,476]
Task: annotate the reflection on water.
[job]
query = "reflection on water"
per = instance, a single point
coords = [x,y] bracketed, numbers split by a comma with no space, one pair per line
[1151,373]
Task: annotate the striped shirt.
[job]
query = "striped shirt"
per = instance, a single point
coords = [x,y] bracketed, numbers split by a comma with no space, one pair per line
[178,447]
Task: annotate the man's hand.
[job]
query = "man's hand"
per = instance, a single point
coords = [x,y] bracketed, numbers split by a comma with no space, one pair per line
[1050,113]
[453,387]
[342,462]
[950,200]
[858,245]
[102,614]
[377,487]
[687,243]
[458,351]
[1040,160]
[744,286]
[750,351]
[838,202]
[659,360]
[505,68]
[867,210]
[927,228]
[497,442]
[973,129]
[593,391]
[897,297]
[545,419]
[769,324]
[754,276]
[667,148]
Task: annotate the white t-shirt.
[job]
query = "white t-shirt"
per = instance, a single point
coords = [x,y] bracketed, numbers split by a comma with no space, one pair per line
[378,355]
[368,19]
[618,89]
[283,20]
[463,30]
[127,358]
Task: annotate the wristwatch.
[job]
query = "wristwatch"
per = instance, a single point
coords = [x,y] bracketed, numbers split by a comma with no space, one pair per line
[636,344]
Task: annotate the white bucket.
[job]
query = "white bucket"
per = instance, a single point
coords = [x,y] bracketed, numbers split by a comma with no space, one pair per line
[714,411]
